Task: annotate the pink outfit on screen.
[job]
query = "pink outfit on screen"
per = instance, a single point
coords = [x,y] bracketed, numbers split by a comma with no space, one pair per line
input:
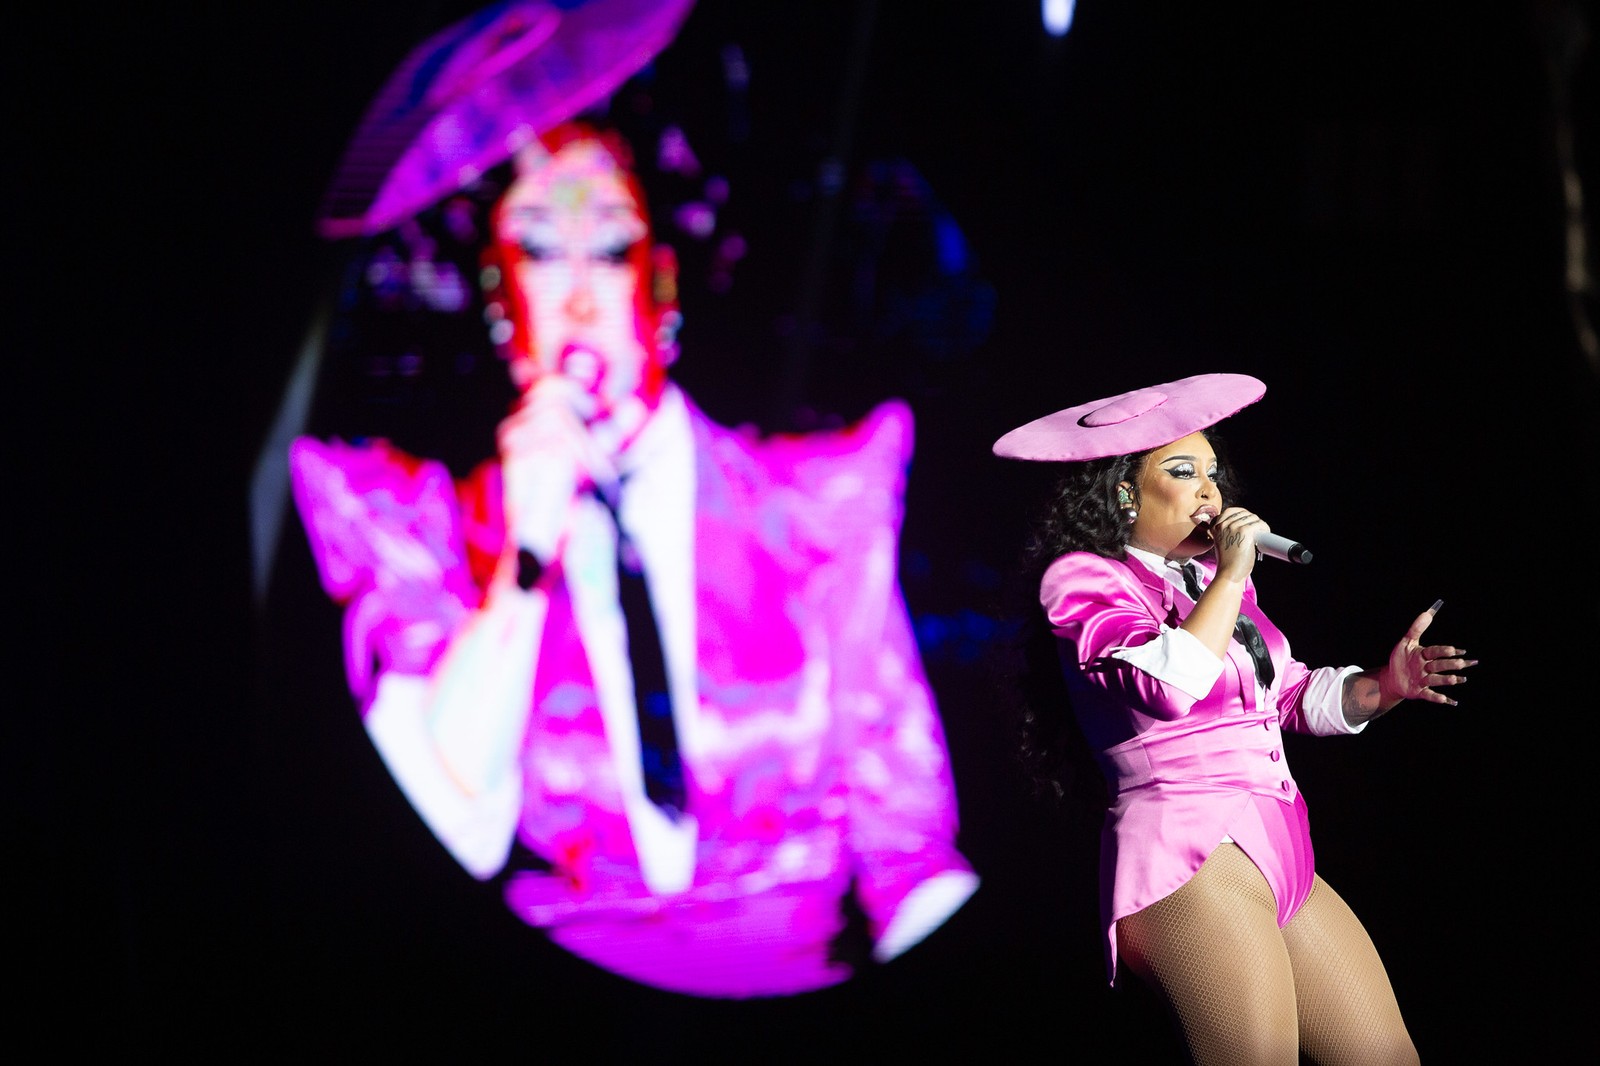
[822,772]
[1184,772]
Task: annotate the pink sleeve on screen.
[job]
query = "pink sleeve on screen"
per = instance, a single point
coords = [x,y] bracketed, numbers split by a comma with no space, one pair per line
[385,530]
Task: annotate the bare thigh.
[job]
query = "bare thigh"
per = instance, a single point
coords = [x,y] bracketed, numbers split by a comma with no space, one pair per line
[1212,951]
[1347,1008]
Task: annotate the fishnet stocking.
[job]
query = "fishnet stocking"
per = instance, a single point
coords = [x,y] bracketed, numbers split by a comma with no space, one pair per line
[1213,952]
[1348,1012]
[1242,991]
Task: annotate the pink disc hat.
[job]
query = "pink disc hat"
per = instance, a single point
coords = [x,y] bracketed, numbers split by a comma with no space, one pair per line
[468,97]
[1131,422]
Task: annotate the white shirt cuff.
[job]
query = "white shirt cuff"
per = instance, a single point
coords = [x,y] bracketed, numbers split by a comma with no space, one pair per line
[477,830]
[924,909]
[1322,702]
[1176,658]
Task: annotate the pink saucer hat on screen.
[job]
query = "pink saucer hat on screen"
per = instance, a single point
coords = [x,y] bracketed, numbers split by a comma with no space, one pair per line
[470,96]
[1131,422]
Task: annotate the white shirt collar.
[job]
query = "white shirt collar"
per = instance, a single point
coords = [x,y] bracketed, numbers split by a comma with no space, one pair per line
[1169,569]
[665,436]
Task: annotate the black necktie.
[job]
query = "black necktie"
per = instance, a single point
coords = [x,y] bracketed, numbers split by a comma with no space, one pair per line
[658,737]
[1244,630]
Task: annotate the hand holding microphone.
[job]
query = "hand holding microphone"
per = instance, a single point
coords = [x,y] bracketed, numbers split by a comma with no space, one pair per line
[1266,543]
[548,456]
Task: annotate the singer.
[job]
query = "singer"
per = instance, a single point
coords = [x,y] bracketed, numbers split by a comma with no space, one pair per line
[699,819]
[1146,652]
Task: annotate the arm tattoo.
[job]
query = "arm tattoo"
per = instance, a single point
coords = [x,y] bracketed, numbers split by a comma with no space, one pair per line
[1362,699]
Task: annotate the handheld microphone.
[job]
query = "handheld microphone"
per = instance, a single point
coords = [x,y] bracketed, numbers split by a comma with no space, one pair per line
[1290,551]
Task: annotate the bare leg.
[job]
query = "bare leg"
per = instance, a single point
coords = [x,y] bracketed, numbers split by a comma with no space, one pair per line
[1213,952]
[1348,1013]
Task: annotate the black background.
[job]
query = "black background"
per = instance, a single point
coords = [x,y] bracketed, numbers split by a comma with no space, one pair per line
[1360,205]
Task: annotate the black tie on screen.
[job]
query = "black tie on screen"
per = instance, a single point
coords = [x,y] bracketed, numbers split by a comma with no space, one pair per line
[658,736]
[1244,630]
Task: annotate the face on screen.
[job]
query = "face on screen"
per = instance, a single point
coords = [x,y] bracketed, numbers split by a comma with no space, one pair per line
[575,244]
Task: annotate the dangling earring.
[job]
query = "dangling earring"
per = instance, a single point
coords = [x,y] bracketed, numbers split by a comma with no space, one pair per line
[495,316]
[664,292]
[667,337]
[1125,501]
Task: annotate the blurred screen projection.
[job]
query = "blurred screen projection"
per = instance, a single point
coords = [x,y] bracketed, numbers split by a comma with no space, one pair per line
[713,808]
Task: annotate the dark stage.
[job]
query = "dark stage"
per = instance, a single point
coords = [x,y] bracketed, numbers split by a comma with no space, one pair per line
[1363,206]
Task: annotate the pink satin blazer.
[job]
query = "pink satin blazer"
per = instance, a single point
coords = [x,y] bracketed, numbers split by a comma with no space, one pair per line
[827,775]
[1183,772]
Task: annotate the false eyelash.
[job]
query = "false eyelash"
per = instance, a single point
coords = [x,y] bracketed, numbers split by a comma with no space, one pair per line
[617,255]
[538,253]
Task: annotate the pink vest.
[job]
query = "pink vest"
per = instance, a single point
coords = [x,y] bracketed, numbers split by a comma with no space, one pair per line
[1183,773]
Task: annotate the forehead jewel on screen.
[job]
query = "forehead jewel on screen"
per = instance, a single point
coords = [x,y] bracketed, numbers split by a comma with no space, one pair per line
[1131,422]
[529,156]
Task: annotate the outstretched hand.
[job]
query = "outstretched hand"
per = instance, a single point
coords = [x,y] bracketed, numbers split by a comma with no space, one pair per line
[1416,669]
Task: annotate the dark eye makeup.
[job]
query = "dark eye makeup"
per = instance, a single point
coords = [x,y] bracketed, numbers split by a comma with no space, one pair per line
[613,254]
[1187,470]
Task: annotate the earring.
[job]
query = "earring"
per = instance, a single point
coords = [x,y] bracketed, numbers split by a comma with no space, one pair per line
[667,337]
[494,308]
[1125,502]
[500,327]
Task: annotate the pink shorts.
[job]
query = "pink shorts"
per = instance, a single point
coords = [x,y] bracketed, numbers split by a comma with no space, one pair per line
[1277,837]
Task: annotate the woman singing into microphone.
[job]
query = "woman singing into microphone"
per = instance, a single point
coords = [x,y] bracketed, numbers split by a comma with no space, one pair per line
[1164,669]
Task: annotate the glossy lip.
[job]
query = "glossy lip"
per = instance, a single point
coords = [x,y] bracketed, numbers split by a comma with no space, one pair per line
[1204,516]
